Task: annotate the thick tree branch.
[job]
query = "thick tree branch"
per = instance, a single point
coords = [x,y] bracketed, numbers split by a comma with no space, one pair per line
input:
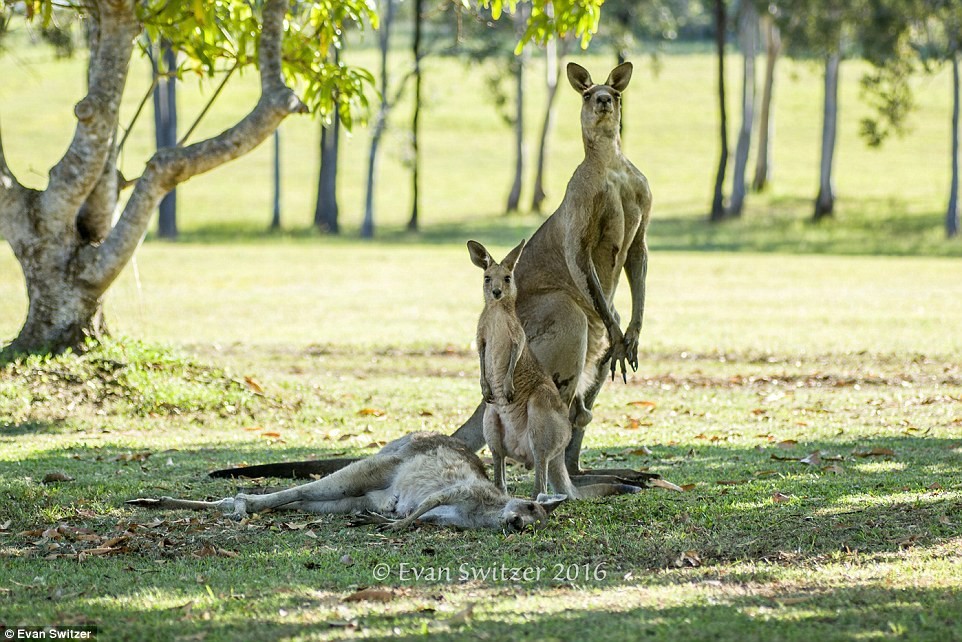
[97,212]
[171,166]
[12,196]
[76,174]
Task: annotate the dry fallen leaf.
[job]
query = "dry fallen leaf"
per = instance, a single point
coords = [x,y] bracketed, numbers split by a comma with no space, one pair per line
[731,482]
[786,444]
[688,558]
[688,487]
[667,485]
[875,452]
[371,594]
[271,433]
[813,459]
[780,498]
[643,404]
[835,469]
[253,385]
[56,476]
[371,412]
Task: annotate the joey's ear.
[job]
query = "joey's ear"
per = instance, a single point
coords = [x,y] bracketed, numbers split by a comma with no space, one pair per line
[579,77]
[619,76]
[550,502]
[479,255]
[512,258]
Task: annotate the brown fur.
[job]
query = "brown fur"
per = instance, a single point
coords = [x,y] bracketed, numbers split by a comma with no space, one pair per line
[568,274]
[524,418]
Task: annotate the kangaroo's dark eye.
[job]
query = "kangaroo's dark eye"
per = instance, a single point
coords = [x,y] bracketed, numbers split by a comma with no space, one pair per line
[507,279]
[587,97]
[617,97]
[487,279]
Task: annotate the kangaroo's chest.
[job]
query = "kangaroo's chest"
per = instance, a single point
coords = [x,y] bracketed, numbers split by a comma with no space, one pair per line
[620,209]
[503,335]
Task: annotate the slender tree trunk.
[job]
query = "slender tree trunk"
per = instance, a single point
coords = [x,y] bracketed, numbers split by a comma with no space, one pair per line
[718,200]
[766,119]
[416,118]
[384,40]
[552,75]
[165,127]
[276,215]
[952,212]
[825,202]
[748,40]
[326,210]
[514,196]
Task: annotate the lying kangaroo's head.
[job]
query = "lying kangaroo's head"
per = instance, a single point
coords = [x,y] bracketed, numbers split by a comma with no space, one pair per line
[601,108]
[499,282]
[518,514]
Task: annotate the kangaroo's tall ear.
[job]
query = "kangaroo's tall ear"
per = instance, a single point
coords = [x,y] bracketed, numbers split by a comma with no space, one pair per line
[550,502]
[619,76]
[579,77]
[479,255]
[512,258]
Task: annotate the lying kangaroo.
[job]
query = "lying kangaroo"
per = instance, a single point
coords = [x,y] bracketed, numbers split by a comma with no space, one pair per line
[568,276]
[524,418]
[422,475]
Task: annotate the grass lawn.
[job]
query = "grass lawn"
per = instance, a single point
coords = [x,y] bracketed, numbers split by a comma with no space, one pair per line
[762,345]
[751,363]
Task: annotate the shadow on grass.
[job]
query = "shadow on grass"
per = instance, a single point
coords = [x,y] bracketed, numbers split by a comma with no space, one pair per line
[744,504]
[781,225]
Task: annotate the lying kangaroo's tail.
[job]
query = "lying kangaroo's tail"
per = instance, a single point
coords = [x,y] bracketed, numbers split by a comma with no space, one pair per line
[290,470]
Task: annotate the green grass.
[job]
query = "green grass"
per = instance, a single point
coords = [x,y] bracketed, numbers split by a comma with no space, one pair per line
[891,200]
[845,356]
[263,349]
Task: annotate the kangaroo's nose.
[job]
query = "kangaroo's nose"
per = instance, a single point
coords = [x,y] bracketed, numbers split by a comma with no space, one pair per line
[604,99]
[496,292]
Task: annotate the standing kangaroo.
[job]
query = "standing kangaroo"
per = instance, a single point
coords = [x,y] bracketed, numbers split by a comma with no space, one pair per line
[422,475]
[568,276]
[524,417]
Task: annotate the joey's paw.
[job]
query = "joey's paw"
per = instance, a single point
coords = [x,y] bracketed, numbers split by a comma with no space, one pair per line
[509,395]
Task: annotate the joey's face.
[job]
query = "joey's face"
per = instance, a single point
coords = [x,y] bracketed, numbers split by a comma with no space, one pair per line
[499,283]
[498,277]
[519,514]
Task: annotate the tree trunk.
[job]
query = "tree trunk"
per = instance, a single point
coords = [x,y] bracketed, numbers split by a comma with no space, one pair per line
[748,40]
[825,202]
[64,237]
[384,40]
[165,129]
[514,196]
[553,73]
[326,210]
[718,200]
[276,215]
[766,120]
[952,212]
[416,118]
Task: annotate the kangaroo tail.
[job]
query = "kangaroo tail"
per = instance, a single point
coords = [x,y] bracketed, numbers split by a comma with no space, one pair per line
[604,490]
[290,470]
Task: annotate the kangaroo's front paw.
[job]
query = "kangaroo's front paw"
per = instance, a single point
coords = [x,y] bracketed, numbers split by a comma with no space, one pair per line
[631,347]
[509,393]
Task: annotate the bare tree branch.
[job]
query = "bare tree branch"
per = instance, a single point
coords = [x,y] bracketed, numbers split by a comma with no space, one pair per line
[171,166]
[13,196]
[97,212]
[76,174]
